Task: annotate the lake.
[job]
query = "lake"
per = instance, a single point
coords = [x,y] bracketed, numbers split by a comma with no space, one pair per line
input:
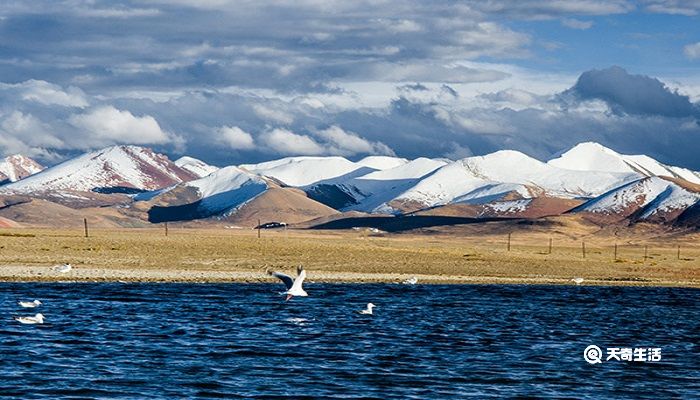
[165,341]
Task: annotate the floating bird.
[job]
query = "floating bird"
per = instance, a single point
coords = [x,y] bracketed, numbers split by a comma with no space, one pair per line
[577,281]
[293,285]
[368,310]
[63,268]
[37,319]
[29,304]
[411,281]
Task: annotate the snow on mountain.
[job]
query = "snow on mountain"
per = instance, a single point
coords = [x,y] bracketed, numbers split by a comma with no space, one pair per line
[113,167]
[227,188]
[372,190]
[650,197]
[505,171]
[195,166]
[595,157]
[304,171]
[382,162]
[16,167]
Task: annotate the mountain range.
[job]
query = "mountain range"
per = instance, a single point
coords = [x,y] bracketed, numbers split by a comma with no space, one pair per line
[135,186]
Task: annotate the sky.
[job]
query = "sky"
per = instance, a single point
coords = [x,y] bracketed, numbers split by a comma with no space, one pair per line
[234,81]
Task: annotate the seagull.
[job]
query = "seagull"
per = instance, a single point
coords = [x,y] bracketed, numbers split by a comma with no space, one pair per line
[368,310]
[293,285]
[411,281]
[577,281]
[29,304]
[63,268]
[37,319]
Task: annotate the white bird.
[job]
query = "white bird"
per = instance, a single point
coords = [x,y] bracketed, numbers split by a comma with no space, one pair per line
[368,310]
[63,268]
[37,319]
[293,285]
[577,281]
[411,281]
[29,304]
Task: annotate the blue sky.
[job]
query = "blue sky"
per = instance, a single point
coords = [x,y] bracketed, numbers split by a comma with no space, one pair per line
[243,81]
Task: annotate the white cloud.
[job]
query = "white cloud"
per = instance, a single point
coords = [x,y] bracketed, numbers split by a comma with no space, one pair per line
[401,26]
[46,93]
[117,12]
[576,24]
[275,115]
[692,50]
[341,142]
[106,125]
[677,7]
[235,138]
[284,141]
[22,133]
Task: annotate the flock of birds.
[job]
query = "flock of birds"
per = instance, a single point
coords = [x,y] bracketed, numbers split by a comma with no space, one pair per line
[39,317]
[36,319]
[293,285]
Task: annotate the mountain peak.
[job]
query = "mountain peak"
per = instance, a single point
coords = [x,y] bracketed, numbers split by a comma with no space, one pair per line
[18,166]
[195,166]
[591,156]
[115,166]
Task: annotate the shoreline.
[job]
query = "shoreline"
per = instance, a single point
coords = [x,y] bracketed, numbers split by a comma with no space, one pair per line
[42,274]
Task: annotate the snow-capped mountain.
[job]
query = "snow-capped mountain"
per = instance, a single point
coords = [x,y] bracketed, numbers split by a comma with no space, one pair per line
[382,162]
[595,157]
[233,194]
[486,178]
[114,167]
[650,198]
[506,183]
[369,191]
[195,166]
[304,171]
[16,167]
[227,188]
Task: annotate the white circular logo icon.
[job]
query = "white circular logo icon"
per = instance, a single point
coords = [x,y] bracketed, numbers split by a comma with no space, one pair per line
[593,354]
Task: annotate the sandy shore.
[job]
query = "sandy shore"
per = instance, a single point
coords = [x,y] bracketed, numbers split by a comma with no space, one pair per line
[239,256]
[16,273]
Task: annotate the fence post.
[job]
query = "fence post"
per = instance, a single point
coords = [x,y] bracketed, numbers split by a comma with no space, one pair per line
[258,229]
[550,246]
[166,229]
[508,241]
[678,254]
[646,249]
[85,224]
[615,257]
[583,249]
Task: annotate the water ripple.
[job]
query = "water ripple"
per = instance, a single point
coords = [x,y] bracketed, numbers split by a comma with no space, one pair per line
[164,341]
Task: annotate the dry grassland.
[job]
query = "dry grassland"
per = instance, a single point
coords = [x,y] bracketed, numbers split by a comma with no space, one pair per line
[461,256]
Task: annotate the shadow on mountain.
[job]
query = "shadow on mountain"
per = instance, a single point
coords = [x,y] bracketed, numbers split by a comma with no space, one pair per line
[118,190]
[402,223]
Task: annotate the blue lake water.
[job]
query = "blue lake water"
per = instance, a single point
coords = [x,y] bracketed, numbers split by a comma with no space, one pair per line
[242,340]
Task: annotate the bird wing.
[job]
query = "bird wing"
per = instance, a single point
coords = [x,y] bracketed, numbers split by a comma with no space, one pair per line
[288,281]
[300,279]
